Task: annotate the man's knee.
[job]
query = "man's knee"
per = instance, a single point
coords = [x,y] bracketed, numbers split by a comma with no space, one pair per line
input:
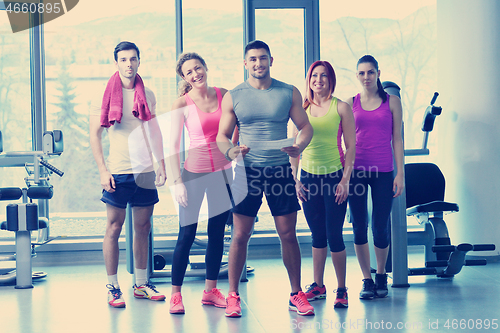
[143,227]
[113,231]
[241,237]
[114,227]
[288,236]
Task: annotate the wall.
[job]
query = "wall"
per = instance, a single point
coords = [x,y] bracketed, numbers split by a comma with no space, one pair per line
[468,80]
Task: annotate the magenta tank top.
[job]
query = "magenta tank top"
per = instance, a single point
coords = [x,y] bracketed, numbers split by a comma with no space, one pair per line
[373,137]
[203,154]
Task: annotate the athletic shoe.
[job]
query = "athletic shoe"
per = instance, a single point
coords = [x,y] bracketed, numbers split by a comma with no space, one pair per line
[214,297]
[313,292]
[176,306]
[147,290]
[115,298]
[233,305]
[341,300]
[368,291]
[299,304]
[381,290]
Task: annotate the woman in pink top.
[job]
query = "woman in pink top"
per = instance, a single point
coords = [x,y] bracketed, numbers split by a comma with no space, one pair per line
[206,170]
[379,142]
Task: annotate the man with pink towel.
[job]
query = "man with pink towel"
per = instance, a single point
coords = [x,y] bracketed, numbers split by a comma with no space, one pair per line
[127,112]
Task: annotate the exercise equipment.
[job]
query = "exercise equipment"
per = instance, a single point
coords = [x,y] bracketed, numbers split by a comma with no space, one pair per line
[425,188]
[160,261]
[23,218]
[163,259]
[423,198]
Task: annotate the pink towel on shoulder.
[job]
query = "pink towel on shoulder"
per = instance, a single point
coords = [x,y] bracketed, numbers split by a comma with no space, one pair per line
[112,101]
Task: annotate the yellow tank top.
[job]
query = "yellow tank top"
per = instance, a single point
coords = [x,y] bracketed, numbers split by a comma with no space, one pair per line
[324,154]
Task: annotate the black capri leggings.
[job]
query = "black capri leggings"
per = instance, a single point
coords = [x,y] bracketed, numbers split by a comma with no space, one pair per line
[324,216]
[381,184]
[197,184]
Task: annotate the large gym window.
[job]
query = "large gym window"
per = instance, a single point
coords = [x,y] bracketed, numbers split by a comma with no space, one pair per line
[15,107]
[79,62]
[403,39]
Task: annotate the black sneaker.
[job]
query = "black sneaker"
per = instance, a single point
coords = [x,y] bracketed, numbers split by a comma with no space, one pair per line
[381,290]
[368,291]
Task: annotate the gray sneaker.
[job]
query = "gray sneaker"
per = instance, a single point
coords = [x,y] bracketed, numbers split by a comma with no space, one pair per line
[368,291]
[381,290]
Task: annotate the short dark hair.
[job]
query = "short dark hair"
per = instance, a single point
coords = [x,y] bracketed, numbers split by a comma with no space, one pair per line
[257,44]
[123,46]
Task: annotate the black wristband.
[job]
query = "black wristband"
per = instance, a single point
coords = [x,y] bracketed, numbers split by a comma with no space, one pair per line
[226,155]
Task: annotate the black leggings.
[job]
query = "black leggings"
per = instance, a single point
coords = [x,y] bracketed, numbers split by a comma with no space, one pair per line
[197,184]
[324,216]
[381,184]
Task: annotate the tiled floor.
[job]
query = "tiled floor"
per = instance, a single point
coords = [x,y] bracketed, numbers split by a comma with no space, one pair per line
[73,299]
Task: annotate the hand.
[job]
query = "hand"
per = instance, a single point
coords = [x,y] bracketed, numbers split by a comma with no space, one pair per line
[292,151]
[342,191]
[236,150]
[108,182]
[181,194]
[398,185]
[301,190]
[161,177]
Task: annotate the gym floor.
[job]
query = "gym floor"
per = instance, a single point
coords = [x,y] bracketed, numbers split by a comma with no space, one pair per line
[72,298]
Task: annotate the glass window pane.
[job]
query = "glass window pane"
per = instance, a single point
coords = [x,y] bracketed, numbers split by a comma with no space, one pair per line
[283,31]
[403,39]
[215,32]
[15,105]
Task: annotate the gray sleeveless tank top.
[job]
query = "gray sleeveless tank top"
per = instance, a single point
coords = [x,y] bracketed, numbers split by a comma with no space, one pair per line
[262,115]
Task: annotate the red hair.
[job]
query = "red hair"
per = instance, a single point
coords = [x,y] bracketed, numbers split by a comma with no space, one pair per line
[332,80]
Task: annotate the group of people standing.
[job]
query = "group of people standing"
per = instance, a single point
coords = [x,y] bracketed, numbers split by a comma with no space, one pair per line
[341,148]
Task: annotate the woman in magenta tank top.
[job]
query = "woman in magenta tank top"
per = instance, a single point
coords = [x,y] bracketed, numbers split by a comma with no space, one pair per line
[379,142]
[205,171]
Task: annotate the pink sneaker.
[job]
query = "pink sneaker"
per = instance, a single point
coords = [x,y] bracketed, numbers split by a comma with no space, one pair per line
[314,292]
[299,304]
[176,306]
[233,305]
[214,297]
[341,300]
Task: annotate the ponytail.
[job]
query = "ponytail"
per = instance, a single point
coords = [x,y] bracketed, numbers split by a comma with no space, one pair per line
[184,88]
[306,104]
[381,91]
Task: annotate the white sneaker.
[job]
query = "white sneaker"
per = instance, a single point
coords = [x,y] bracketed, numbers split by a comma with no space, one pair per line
[115,297]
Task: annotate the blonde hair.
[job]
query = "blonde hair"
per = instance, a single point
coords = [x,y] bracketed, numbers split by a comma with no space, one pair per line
[185,87]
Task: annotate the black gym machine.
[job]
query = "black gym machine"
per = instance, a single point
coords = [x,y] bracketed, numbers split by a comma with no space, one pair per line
[425,190]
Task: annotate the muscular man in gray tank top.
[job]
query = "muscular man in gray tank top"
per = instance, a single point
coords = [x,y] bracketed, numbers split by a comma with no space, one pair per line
[261,108]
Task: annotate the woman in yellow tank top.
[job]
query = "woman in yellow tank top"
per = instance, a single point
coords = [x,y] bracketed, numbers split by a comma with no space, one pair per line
[324,178]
